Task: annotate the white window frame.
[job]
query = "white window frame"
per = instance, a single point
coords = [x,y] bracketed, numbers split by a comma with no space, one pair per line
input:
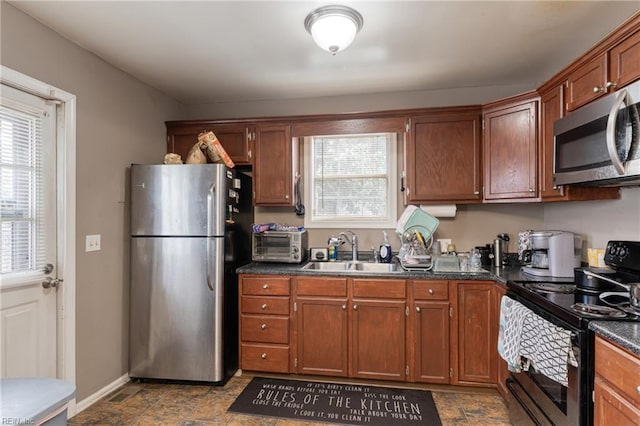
[341,222]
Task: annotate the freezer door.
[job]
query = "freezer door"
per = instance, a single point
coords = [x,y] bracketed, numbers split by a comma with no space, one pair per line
[176,326]
[184,200]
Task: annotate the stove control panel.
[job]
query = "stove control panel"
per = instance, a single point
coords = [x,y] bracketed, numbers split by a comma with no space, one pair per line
[623,254]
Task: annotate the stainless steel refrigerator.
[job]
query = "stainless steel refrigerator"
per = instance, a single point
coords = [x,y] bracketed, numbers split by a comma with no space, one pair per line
[190,230]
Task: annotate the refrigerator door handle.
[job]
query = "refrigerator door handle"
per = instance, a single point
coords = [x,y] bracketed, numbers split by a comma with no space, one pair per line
[211,252]
[210,210]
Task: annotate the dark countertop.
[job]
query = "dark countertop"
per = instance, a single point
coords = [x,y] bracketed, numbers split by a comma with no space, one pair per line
[625,334]
[501,275]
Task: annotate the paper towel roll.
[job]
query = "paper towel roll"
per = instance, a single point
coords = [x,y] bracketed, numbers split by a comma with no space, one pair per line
[444,210]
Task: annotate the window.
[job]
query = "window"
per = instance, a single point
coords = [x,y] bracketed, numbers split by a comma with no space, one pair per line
[22,210]
[351,181]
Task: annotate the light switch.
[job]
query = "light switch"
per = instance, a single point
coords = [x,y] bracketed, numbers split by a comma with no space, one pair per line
[92,243]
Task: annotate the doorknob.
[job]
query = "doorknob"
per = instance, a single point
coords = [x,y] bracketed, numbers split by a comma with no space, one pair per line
[51,282]
[47,269]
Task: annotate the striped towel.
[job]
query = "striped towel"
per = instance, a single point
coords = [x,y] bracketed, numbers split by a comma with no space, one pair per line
[526,340]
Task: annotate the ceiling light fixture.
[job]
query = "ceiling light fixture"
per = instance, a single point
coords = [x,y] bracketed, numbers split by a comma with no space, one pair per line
[333,28]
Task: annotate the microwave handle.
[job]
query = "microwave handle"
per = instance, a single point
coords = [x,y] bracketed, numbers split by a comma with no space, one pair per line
[611,132]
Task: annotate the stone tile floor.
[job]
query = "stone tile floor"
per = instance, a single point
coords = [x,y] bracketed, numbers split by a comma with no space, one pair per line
[196,405]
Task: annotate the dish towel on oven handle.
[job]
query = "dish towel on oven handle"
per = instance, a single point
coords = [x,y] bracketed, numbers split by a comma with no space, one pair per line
[527,339]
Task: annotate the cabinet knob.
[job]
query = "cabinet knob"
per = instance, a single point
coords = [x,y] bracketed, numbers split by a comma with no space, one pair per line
[344,307]
[476,192]
[286,197]
[598,89]
[265,286]
[531,190]
[611,84]
[418,309]
[638,389]
[264,355]
[431,291]
[263,306]
[355,307]
[263,326]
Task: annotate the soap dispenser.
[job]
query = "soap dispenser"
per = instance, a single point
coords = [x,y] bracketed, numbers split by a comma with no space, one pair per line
[385,249]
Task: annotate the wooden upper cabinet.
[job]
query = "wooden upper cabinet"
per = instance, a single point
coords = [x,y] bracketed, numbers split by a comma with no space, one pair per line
[624,61]
[442,158]
[587,82]
[237,140]
[551,109]
[605,73]
[274,165]
[510,144]
[234,139]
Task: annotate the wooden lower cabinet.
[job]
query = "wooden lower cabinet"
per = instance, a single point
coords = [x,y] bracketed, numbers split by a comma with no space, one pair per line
[617,385]
[476,322]
[265,341]
[427,331]
[322,326]
[503,371]
[429,338]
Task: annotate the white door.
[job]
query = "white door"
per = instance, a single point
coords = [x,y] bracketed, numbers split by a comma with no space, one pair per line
[28,241]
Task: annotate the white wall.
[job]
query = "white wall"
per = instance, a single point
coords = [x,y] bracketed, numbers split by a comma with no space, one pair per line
[598,221]
[119,121]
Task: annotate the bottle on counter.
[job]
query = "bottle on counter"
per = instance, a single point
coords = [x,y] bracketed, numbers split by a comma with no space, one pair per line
[333,253]
[385,249]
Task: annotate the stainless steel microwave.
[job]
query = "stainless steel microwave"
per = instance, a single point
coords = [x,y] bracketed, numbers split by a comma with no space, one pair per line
[599,144]
[280,246]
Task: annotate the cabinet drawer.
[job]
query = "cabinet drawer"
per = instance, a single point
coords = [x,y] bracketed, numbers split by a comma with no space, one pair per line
[269,286]
[430,290]
[618,367]
[379,289]
[265,305]
[265,358]
[267,329]
[328,287]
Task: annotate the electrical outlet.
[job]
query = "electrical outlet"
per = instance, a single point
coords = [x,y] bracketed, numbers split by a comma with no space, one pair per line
[92,243]
[444,243]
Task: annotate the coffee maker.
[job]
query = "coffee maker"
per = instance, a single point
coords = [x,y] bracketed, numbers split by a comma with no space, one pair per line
[554,254]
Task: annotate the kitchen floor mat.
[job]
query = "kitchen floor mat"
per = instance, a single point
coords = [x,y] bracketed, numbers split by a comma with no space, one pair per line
[336,403]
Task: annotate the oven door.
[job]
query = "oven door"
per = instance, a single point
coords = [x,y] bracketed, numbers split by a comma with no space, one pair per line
[539,400]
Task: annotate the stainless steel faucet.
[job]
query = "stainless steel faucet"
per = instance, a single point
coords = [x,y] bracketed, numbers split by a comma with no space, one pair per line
[353,241]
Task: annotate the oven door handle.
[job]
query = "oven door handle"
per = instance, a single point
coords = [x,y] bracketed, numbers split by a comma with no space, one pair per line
[609,280]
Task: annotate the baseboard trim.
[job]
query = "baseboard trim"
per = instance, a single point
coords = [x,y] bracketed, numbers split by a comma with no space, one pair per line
[95,397]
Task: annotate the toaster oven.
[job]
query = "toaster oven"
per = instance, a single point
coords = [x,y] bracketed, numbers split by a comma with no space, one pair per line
[280,246]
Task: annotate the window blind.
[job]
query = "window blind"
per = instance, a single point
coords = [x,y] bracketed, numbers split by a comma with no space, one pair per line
[22,247]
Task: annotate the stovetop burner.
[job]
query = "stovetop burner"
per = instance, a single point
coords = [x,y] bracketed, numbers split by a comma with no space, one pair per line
[552,287]
[597,311]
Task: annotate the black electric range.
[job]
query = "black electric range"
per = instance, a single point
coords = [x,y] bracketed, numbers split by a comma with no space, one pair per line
[577,303]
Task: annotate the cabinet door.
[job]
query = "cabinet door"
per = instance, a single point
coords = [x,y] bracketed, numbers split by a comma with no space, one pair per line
[510,152]
[180,139]
[551,109]
[431,328]
[587,82]
[503,371]
[624,60]
[378,339]
[610,408]
[236,140]
[477,333]
[443,158]
[273,166]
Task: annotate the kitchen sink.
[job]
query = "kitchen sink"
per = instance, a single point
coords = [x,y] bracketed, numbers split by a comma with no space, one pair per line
[352,267]
[376,267]
[328,266]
